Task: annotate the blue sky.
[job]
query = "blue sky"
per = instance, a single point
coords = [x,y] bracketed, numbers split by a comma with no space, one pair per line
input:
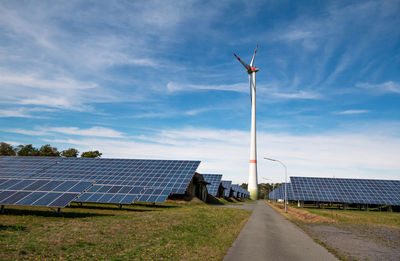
[158,79]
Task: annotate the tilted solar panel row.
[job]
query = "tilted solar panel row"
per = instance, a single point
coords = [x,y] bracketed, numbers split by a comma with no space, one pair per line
[123,194]
[171,176]
[227,185]
[279,192]
[341,190]
[215,181]
[35,192]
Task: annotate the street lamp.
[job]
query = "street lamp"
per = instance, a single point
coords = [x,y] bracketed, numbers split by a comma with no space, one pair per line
[268,187]
[285,179]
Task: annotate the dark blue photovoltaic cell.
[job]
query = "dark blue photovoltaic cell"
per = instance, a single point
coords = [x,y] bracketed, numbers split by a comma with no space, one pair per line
[51,185]
[14,198]
[28,200]
[81,186]
[9,183]
[47,199]
[105,198]
[117,198]
[84,197]
[5,194]
[36,185]
[22,184]
[341,190]
[63,200]
[34,192]
[128,199]
[93,198]
[214,180]
[65,186]
[114,189]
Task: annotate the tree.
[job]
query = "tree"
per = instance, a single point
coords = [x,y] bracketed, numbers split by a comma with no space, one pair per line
[27,150]
[91,154]
[70,153]
[6,149]
[49,151]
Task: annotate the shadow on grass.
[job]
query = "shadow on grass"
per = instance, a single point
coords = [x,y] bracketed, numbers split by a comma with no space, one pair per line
[108,207]
[147,205]
[12,227]
[50,213]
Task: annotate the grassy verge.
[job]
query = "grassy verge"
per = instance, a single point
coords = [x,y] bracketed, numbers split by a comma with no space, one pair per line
[168,231]
[334,215]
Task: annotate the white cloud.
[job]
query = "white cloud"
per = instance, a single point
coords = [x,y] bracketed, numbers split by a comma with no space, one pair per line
[93,132]
[352,112]
[237,87]
[54,92]
[296,35]
[298,95]
[383,88]
[360,155]
[243,88]
[54,131]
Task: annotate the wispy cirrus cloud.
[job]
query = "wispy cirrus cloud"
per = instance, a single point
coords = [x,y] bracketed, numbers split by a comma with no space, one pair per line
[381,88]
[95,131]
[349,112]
[243,88]
[305,95]
[237,87]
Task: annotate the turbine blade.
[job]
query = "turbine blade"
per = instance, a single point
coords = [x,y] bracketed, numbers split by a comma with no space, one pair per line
[254,55]
[244,64]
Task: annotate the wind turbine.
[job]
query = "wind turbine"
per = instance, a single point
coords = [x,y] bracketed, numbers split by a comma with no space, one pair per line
[251,70]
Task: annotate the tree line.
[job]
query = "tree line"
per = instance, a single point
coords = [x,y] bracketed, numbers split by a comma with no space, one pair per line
[45,150]
[264,189]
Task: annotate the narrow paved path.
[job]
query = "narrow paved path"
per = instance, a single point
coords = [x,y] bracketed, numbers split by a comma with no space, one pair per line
[269,236]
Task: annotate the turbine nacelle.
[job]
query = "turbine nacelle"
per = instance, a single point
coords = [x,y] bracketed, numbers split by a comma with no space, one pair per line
[249,68]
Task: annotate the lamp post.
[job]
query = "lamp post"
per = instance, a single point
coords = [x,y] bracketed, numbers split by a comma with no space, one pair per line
[285,179]
[268,187]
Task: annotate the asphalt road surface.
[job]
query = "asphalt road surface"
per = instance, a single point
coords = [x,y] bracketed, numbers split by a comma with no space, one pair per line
[269,236]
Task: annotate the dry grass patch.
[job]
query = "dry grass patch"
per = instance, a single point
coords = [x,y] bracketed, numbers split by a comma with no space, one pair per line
[300,215]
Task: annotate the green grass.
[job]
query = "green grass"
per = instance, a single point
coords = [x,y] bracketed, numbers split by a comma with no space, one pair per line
[167,231]
[390,219]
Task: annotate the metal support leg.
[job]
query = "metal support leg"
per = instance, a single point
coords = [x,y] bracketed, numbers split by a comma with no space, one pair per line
[2,209]
[120,206]
[58,210]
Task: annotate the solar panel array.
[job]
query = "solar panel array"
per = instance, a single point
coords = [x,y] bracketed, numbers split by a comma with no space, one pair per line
[279,192]
[240,192]
[215,181]
[39,192]
[340,190]
[227,185]
[119,181]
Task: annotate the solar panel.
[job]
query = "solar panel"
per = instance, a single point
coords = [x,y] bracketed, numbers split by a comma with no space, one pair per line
[215,180]
[227,185]
[33,192]
[24,167]
[173,176]
[123,194]
[341,190]
[279,192]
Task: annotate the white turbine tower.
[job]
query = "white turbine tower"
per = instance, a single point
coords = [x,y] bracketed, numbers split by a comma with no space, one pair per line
[251,70]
